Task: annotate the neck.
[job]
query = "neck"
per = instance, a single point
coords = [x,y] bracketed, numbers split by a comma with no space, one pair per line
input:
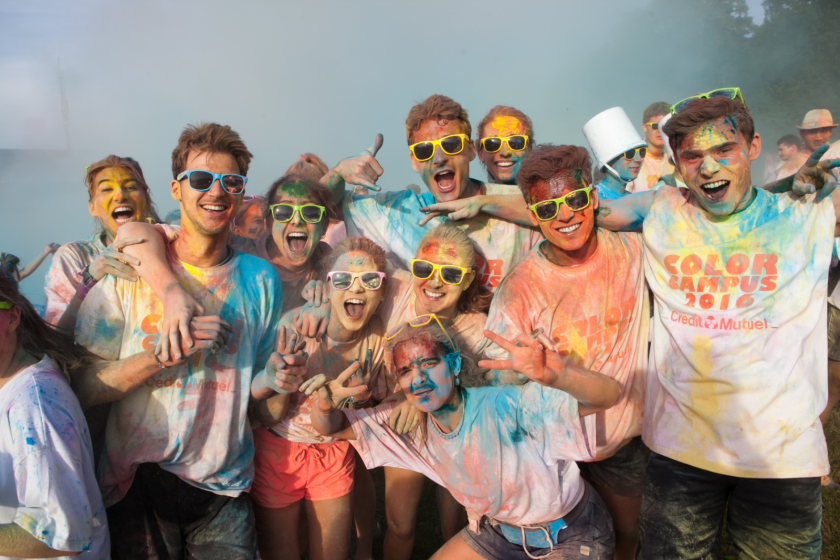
[614,184]
[559,257]
[292,270]
[107,237]
[13,360]
[337,332]
[446,316]
[447,417]
[657,153]
[473,189]
[199,249]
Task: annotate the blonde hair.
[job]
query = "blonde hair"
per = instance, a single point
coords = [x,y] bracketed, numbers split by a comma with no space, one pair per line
[133,168]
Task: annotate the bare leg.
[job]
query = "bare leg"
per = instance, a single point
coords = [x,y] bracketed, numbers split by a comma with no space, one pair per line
[402,500]
[277,532]
[329,528]
[453,516]
[833,389]
[625,513]
[456,548]
[364,509]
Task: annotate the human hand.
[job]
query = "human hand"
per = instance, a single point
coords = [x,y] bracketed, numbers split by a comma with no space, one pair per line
[114,262]
[316,292]
[329,394]
[209,332]
[815,174]
[286,367]
[536,359]
[51,248]
[362,169]
[179,308]
[405,417]
[312,321]
[454,210]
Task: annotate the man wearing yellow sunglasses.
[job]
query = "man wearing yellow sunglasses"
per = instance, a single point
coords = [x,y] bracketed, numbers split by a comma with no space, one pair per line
[584,288]
[656,163]
[618,149]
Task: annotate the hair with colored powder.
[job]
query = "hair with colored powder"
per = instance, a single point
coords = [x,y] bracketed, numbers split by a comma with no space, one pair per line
[317,193]
[655,109]
[9,263]
[37,337]
[476,298]
[440,109]
[505,111]
[309,165]
[790,140]
[546,160]
[133,168]
[701,111]
[352,245]
[213,138]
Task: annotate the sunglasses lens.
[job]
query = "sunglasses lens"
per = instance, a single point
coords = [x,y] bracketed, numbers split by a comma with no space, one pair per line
[578,200]
[311,213]
[492,145]
[682,104]
[727,92]
[451,275]
[341,280]
[201,180]
[371,281]
[393,332]
[234,184]
[547,210]
[629,155]
[452,144]
[282,213]
[516,143]
[421,270]
[643,152]
[420,321]
[655,126]
[424,150]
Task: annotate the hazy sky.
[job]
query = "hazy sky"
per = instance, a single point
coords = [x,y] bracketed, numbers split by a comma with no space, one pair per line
[291,77]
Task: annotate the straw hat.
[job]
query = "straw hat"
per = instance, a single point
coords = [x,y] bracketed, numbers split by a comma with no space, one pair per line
[817,118]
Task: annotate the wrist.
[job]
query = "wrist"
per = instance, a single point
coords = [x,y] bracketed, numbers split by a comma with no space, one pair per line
[87,282]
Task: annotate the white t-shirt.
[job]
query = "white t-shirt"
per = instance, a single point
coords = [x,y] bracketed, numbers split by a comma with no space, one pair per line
[650,173]
[191,419]
[47,481]
[390,220]
[738,366]
[63,278]
[512,457]
[598,316]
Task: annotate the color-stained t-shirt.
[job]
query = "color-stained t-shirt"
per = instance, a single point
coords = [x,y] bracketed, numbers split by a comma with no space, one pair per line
[598,316]
[512,456]
[606,193]
[738,372]
[390,220]
[63,276]
[652,170]
[331,358]
[791,166]
[189,419]
[47,480]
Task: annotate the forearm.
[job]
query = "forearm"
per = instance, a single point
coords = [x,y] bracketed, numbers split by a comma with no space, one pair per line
[154,267]
[334,424]
[507,207]
[33,266]
[334,181]
[67,323]
[260,389]
[109,381]
[624,214]
[780,186]
[594,391]
[271,410]
[16,542]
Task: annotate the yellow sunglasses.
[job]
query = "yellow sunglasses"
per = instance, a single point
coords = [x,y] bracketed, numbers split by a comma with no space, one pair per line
[5,305]
[653,125]
[451,145]
[449,273]
[421,321]
[548,209]
[493,144]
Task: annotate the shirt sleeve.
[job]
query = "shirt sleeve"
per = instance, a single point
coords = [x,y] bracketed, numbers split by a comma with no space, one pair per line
[553,418]
[101,320]
[61,282]
[272,315]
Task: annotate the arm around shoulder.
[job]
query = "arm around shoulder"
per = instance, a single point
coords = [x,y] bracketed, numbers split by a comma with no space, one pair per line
[625,214]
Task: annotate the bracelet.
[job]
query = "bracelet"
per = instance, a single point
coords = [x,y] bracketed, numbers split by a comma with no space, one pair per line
[85,285]
[157,359]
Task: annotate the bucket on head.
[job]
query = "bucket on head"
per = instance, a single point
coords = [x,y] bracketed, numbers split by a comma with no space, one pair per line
[610,134]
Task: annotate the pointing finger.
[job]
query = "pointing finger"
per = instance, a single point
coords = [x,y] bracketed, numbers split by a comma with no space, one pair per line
[503,343]
[495,364]
[428,218]
[377,144]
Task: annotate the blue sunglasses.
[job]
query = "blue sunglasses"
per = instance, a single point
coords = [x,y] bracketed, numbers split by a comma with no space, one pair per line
[203,181]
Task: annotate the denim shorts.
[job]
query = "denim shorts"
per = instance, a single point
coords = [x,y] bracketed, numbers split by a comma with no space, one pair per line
[622,474]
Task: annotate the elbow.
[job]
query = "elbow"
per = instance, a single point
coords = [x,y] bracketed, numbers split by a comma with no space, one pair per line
[136,230]
[611,396]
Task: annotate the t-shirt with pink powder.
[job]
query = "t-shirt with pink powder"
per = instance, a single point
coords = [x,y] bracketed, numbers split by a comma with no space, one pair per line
[512,456]
[63,276]
[597,315]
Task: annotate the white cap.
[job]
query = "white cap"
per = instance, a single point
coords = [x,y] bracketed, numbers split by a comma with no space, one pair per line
[610,134]
[664,136]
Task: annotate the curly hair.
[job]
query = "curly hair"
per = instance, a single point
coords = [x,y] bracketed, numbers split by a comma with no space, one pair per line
[546,160]
[440,109]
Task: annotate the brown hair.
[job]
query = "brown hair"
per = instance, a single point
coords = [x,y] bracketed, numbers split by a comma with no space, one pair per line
[700,111]
[309,165]
[213,138]
[505,111]
[351,244]
[476,298]
[133,168]
[37,337]
[655,108]
[319,194]
[546,160]
[437,108]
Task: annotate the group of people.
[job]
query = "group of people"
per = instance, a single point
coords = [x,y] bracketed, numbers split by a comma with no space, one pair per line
[589,359]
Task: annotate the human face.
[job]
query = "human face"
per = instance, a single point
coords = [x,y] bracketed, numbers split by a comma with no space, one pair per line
[296,240]
[503,165]
[252,224]
[209,212]
[353,308]
[447,177]
[571,234]
[652,137]
[715,163]
[628,170]
[9,320]
[118,199]
[815,137]
[433,295]
[423,374]
[787,151]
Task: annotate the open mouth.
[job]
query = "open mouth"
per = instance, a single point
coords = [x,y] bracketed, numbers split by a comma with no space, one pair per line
[568,229]
[214,208]
[434,296]
[445,180]
[715,190]
[123,214]
[296,241]
[354,308]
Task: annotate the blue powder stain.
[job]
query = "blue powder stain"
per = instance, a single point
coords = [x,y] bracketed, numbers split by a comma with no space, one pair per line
[45,533]
[30,441]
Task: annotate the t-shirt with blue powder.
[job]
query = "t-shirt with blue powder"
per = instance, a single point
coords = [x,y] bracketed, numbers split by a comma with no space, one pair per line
[606,193]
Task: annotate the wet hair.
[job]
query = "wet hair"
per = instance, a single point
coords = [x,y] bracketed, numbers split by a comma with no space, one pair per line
[476,298]
[39,338]
[350,245]
[700,111]
[654,109]
[309,165]
[133,168]
[505,111]
[9,263]
[790,140]
[213,138]
[319,194]
[546,160]
[440,109]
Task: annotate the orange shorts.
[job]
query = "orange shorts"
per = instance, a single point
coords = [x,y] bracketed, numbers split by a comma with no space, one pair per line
[287,471]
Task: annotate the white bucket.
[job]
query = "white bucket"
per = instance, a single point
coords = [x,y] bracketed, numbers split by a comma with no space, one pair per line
[664,136]
[610,134]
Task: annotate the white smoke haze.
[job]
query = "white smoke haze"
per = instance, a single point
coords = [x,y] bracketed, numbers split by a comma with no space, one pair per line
[292,77]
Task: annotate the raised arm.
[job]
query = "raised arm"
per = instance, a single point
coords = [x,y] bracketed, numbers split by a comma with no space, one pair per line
[362,169]
[508,207]
[627,213]
[27,270]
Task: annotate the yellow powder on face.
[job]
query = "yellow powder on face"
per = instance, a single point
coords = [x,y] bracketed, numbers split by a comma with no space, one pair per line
[505,126]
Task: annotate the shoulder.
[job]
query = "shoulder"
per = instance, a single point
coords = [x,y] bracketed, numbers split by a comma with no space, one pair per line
[497,189]
[522,274]
[252,265]
[39,392]
[630,241]
[384,199]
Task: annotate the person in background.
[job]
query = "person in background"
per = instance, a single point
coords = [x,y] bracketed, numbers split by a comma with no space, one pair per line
[619,151]
[314,167]
[505,135]
[816,129]
[10,263]
[792,155]
[250,219]
[656,162]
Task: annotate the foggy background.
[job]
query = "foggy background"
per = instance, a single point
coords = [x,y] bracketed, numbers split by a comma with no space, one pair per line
[325,76]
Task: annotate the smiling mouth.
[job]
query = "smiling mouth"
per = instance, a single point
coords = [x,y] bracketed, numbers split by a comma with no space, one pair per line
[568,229]
[123,214]
[504,164]
[445,180]
[213,208]
[296,241]
[434,296]
[715,190]
[354,308]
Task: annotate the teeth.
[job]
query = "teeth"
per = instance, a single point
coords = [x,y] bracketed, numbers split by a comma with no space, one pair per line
[298,234]
[213,207]
[568,229]
[121,209]
[505,164]
[355,301]
[714,185]
[433,295]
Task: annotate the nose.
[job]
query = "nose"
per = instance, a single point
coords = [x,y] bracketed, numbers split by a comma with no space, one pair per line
[356,286]
[217,189]
[119,194]
[435,281]
[418,377]
[564,213]
[297,219]
[505,150]
[439,158]
[710,166]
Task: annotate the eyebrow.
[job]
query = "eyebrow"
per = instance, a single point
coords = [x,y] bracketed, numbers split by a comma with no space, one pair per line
[721,146]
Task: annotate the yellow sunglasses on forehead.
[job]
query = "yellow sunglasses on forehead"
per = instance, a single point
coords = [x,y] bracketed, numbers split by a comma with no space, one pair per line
[421,321]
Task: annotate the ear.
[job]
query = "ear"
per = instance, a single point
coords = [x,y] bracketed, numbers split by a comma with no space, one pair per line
[534,221]
[175,189]
[468,279]
[90,208]
[471,150]
[755,147]
[593,194]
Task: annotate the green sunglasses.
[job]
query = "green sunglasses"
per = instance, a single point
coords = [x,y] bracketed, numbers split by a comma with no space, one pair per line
[731,93]
[548,209]
[284,212]
[5,305]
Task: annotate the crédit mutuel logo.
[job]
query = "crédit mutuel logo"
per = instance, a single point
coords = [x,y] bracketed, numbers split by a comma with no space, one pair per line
[720,324]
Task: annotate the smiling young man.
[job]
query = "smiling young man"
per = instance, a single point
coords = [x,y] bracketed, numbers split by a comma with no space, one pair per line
[737,375]
[656,162]
[178,458]
[438,134]
[619,151]
[505,136]
[585,288]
